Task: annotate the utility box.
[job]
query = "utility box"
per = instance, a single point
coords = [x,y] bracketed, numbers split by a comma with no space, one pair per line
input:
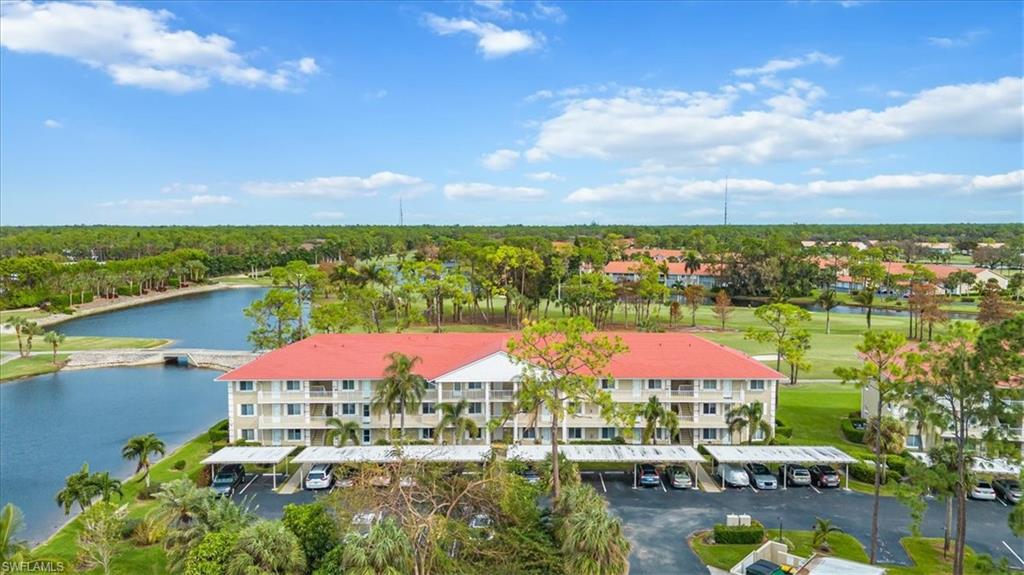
[744,520]
[732,520]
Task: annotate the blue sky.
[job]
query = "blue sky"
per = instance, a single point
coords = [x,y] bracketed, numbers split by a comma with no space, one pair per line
[514,112]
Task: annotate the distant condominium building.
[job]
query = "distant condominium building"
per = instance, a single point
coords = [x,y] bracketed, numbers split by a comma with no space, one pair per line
[286,396]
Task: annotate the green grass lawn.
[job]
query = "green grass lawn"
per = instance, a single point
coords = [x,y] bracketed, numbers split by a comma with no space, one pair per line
[926,554]
[9,342]
[152,559]
[25,313]
[28,366]
[725,556]
[243,280]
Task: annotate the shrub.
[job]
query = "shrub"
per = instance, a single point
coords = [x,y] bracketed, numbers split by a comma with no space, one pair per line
[897,465]
[148,531]
[148,492]
[618,440]
[315,529]
[967,300]
[849,432]
[866,474]
[211,555]
[786,432]
[739,535]
[179,465]
[855,415]
[128,527]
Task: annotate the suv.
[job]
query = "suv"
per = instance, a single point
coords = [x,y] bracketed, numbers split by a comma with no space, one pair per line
[227,479]
[795,475]
[760,476]
[824,476]
[649,476]
[1008,490]
[321,476]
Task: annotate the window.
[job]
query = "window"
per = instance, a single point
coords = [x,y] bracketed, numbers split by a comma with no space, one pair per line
[653,384]
[348,409]
[366,410]
[709,434]
[247,409]
[758,435]
[428,408]
[292,385]
[348,385]
[427,433]
[914,441]
[248,435]
[530,433]
[476,408]
[474,385]
[710,409]
[710,385]
[608,384]
[575,433]
[245,386]
[757,385]
[294,435]
[294,409]
[366,436]
[608,432]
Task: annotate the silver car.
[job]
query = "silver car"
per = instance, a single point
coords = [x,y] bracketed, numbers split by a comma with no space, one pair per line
[760,476]
[733,476]
[679,478]
[796,475]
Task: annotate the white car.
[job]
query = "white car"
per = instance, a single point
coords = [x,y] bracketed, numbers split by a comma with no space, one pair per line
[734,476]
[983,491]
[321,476]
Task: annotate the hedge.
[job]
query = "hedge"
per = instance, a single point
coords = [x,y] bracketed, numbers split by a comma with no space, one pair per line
[866,474]
[739,535]
[849,432]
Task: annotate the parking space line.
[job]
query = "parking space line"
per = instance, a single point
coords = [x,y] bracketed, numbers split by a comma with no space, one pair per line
[1010,549]
[815,489]
[603,486]
[1001,501]
[753,489]
[663,486]
[254,478]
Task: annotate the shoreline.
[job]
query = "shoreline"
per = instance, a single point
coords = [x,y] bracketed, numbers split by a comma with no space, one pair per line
[124,302]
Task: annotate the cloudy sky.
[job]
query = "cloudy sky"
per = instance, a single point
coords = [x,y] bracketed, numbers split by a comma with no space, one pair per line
[510,112]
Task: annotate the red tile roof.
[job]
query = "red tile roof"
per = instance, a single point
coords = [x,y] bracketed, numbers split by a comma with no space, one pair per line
[674,268]
[655,252]
[361,356]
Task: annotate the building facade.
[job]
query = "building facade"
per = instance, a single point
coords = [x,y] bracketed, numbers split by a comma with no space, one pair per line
[287,396]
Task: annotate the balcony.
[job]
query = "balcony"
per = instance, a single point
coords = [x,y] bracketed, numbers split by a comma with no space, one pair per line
[502,395]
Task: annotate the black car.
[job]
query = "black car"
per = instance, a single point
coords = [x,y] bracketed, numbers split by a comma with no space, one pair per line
[1008,490]
[824,476]
[227,479]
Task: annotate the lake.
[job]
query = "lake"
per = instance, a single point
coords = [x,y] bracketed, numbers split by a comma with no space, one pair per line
[211,320]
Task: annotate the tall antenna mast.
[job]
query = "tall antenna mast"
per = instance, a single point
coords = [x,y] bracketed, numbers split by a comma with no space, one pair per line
[401,212]
[725,214]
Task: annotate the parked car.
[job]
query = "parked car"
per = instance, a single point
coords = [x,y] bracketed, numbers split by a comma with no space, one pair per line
[1007,489]
[824,476]
[363,522]
[531,476]
[983,491]
[795,475]
[345,477]
[320,476]
[733,476]
[227,479]
[649,476]
[679,478]
[481,524]
[760,476]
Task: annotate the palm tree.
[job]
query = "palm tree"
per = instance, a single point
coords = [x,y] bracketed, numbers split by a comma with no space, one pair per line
[180,502]
[55,339]
[141,447]
[11,521]
[343,431]
[266,547]
[453,415]
[828,299]
[651,413]
[386,550]
[594,543]
[405,388]
[30,329]
[822,529]
[886,435]
[106,486]
[209,515]
[78,489]
[749,416]
[15,323]
[692,262]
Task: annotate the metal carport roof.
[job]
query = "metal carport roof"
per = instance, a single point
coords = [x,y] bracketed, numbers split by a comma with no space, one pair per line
[391,454]
[610,453]
[778,454]
[981,465]
[248,455]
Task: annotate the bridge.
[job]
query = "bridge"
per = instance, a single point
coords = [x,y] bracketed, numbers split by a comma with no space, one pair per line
[221,359]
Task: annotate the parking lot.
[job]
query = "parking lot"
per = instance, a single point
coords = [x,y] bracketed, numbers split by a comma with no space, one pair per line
[658,520]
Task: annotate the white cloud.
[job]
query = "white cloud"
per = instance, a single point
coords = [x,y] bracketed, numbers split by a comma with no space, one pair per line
[52,124]
[814,172]
[896,94]
[480,191]
[176,206]
[772,67]
[544,11]
[842,213]
[341,186]
[182,188]
[500,159]
[545,177]
[702,212]
[700,128]
[966,39]
[375,95]
[328,215]
[674,189]
[137,47]
[492,40]
[496,9]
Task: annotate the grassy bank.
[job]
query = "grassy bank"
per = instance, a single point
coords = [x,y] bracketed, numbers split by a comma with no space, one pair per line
[29,366]
[725,556]
[63,545]
[9,342]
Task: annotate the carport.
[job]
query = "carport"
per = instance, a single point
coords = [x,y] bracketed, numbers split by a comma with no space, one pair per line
[236,455]
[391,454]
[782,455]
[635,454]
[979,465]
